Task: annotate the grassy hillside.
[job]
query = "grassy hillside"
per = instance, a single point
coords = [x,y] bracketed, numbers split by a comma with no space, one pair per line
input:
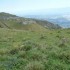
[14,22]
[32,50]
[47,24]
[17,24]
[31,44]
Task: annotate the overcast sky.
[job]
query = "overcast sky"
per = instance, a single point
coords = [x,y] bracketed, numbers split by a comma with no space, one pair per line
[27,6]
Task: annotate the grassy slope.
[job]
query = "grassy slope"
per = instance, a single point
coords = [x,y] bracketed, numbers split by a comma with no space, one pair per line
[14,24]
[34,50]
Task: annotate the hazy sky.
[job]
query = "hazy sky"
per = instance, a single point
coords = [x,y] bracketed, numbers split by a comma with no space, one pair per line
[26,6]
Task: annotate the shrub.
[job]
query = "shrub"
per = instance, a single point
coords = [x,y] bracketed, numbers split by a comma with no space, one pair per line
[58,36]
[28,45]
[63,42]
[62,45]
[35,66]
[13,51]
[65,56]
[59,31]
[4,51]
[35,55]
[42,37]
[22,54]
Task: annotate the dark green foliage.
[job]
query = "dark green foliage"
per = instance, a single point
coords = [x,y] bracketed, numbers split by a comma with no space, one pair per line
[13,51]
[62,45]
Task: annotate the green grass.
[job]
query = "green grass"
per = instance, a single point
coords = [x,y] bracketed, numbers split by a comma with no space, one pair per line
[18,24]
[34,50]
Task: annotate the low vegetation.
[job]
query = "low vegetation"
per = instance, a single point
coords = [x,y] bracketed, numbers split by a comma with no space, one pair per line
[34,50]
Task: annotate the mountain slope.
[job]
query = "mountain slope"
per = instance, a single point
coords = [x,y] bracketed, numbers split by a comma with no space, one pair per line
[47,24]
[15,22]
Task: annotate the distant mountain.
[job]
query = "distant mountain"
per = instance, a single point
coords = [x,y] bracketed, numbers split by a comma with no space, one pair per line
[62,21]
[14,22]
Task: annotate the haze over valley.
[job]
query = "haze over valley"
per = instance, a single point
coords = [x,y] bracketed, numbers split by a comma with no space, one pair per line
[60,16]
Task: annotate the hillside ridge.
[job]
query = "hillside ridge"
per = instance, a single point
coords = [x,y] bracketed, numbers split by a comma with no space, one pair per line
[15,22]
